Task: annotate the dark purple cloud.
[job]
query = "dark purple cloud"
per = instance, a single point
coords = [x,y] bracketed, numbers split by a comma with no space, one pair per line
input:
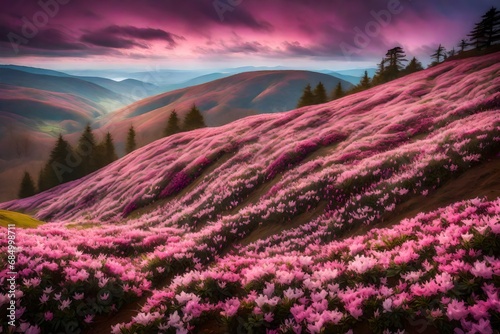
[292,29]
[124,37]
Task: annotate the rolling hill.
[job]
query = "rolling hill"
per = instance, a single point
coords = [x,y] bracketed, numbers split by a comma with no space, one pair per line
[107,99]
[38,104]
[221,101]
[376,212]
[128,88]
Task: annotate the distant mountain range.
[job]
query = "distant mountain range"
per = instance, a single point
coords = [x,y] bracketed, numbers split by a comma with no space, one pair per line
[221,101]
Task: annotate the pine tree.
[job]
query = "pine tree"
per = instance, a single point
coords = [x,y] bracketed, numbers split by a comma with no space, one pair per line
[394,59]
[106,151]
[365,81]
[87,151]
[194,119]
[320,94]
[451,53]
[487,31]
[338,92]
[462,45]
[173,126]
[440,52]
[42,180]
[307,98]
[413,66]
[27,188]
[491,26]
[130,145]
[477,35]
[56,170]
[381,74]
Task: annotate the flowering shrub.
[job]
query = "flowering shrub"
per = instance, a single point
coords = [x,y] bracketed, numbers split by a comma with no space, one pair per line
[205,254]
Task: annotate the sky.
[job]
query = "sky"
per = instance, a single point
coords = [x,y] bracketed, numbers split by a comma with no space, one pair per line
[204,34]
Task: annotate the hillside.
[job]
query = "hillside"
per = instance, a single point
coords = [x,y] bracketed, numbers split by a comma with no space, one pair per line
[356,214]
[107,99]
[130,88]
[224,100]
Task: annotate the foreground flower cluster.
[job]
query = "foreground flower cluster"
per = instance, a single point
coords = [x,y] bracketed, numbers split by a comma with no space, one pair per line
[245,226]
[443,267]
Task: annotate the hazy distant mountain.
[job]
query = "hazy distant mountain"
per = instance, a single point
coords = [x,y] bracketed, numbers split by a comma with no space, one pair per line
[106,98]
[350,78]
[359,72]
[35,70]
[130,88]
[196,81]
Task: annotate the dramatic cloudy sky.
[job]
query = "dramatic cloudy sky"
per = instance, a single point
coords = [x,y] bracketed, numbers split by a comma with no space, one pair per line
[223,33]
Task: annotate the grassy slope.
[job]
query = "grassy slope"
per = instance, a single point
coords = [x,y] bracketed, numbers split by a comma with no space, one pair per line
[18,219]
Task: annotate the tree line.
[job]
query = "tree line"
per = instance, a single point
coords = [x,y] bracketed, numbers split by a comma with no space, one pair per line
[485,34]
[391,67]
[67,163]
[193,120]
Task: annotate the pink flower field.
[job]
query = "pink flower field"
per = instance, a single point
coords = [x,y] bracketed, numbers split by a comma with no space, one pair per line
[317,220]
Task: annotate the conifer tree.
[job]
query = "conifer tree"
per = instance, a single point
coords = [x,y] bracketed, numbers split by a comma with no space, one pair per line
[27,187]
[462,45]
[56,170]
[194,119]
[476,36]
[320,94]
[307,97]
[413,66]
[380,75]
[440,53]
[87,151]
[487,31]
[338,92]
[173,126]
[42,180]
[491,26]
[394,59]
[106,151]
[130,145]
[365,81]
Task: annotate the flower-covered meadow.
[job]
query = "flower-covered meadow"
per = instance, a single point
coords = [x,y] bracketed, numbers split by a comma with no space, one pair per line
[185,222]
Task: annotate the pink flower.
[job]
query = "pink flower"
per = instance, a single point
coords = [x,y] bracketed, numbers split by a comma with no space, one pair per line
[78,296]
[362,263]
[89,318]
[145,318]
[456,310]
[479,310]
[387,305]
[480,269]
[230,307]
[65,304]
[483,327]
[104,296]
[44,298]
[48,316]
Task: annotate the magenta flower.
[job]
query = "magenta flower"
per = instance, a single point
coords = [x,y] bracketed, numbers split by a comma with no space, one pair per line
[456,310]
[48,316]
[480,269]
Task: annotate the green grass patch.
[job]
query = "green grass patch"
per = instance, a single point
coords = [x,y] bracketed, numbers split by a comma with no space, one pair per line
[20,220]
[82,226]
